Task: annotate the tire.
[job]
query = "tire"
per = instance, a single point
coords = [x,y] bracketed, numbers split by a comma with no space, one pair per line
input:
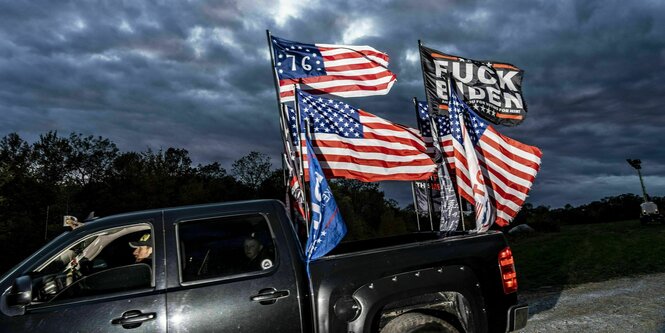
[414,322]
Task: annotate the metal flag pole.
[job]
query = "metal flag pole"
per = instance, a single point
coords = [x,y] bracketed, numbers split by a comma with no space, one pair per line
[459,194]
[430,202]
[279,100]
[300,159]
[415,203]
[283,121]
[441,168]
[413,184]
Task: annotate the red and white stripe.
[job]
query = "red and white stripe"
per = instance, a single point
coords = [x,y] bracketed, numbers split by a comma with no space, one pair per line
[509,168]
[388,151]
[352,71]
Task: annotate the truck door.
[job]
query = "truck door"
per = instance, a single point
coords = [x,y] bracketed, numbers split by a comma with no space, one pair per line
[93,283]
[230,276]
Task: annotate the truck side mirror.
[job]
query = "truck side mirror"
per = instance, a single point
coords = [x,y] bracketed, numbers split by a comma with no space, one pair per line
[21,292]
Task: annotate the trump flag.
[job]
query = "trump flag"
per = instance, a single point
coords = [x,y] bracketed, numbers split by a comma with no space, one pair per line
[327,226]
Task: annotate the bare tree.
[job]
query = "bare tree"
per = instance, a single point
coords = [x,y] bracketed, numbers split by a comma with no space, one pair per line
[252,169]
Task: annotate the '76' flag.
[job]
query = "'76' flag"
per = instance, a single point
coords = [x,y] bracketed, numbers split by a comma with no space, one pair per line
[338,70]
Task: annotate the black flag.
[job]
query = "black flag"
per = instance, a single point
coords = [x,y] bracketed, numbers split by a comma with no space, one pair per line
[492,89]
[425,196]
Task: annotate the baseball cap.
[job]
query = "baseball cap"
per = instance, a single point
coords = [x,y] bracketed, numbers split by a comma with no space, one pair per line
[145,240]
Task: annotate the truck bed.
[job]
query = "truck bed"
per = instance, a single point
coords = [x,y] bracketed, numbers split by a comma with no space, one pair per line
[402,265]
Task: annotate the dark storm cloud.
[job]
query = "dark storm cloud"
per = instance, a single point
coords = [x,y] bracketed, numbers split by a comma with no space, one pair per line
[196,75]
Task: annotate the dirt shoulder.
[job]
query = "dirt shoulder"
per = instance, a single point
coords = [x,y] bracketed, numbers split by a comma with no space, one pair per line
[634,304]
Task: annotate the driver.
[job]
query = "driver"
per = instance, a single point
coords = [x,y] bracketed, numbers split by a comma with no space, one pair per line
[143,249]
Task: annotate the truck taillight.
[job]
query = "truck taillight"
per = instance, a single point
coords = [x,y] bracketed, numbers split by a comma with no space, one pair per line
[508,274]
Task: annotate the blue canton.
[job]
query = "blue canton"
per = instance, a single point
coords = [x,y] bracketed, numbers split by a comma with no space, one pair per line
[294,60]
[474,124]
[292,121]
[424,123]
[330,116]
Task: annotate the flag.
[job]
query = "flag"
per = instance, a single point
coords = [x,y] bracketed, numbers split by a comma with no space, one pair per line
[327,227]
[293,168]
[485,212]
[354,144]
[445,139]
[449,207]
[487,161]
[339,70]
[295,190]
[425,194]
[491,88]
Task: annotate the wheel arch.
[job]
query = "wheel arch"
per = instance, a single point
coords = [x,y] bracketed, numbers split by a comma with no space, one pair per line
[428,290]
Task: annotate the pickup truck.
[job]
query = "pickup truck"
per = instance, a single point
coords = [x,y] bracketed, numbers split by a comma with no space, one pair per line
[239,267]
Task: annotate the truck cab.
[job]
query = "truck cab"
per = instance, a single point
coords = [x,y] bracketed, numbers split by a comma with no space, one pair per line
[87,279]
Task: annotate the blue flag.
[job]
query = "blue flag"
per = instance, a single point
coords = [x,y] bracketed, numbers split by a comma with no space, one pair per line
[327,226]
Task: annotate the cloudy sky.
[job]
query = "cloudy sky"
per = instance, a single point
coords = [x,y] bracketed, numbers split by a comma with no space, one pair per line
[196,75]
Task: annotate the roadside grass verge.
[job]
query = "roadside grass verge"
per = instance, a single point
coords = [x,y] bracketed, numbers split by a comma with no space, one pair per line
[588,253]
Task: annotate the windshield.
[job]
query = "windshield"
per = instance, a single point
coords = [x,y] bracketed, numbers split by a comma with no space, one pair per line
[36,254]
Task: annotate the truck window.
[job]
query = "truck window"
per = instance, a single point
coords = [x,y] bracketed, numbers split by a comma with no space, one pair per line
[101,263]
[225,246]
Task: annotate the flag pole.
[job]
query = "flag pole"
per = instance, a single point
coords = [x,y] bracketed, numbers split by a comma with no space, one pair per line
[415,203]
[300,160]
[441,166]
[435,136]
[279,100]
[283,123]
[459,194]
[413,184]
[430,202]
[428,191]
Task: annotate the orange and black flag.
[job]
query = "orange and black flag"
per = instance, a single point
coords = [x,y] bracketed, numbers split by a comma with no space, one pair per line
[492,89]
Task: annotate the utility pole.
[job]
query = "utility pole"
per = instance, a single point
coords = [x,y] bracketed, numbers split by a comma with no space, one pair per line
[637,164]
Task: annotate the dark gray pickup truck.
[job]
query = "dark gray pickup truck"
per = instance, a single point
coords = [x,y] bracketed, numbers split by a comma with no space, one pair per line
[239,267]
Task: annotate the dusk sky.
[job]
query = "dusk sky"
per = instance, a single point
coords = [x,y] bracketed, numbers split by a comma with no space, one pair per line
[196,75]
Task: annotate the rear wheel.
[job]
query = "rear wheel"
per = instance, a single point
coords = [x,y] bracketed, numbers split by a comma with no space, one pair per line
[414,322]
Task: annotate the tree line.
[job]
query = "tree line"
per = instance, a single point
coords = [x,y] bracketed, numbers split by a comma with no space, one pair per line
[56,175]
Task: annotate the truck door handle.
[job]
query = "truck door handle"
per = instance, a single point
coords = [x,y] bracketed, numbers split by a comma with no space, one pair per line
[133,318]
[269,296]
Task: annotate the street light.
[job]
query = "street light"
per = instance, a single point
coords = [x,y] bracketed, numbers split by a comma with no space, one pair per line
[636,163]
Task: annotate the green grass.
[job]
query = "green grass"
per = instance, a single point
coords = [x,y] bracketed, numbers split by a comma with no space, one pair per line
[587,253]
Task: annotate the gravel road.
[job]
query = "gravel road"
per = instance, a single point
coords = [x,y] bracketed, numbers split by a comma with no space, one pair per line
[620,305]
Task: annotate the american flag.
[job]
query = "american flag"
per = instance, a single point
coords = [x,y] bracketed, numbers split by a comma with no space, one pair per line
[506,167]
[339,70]
[445,138]
[351,143]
